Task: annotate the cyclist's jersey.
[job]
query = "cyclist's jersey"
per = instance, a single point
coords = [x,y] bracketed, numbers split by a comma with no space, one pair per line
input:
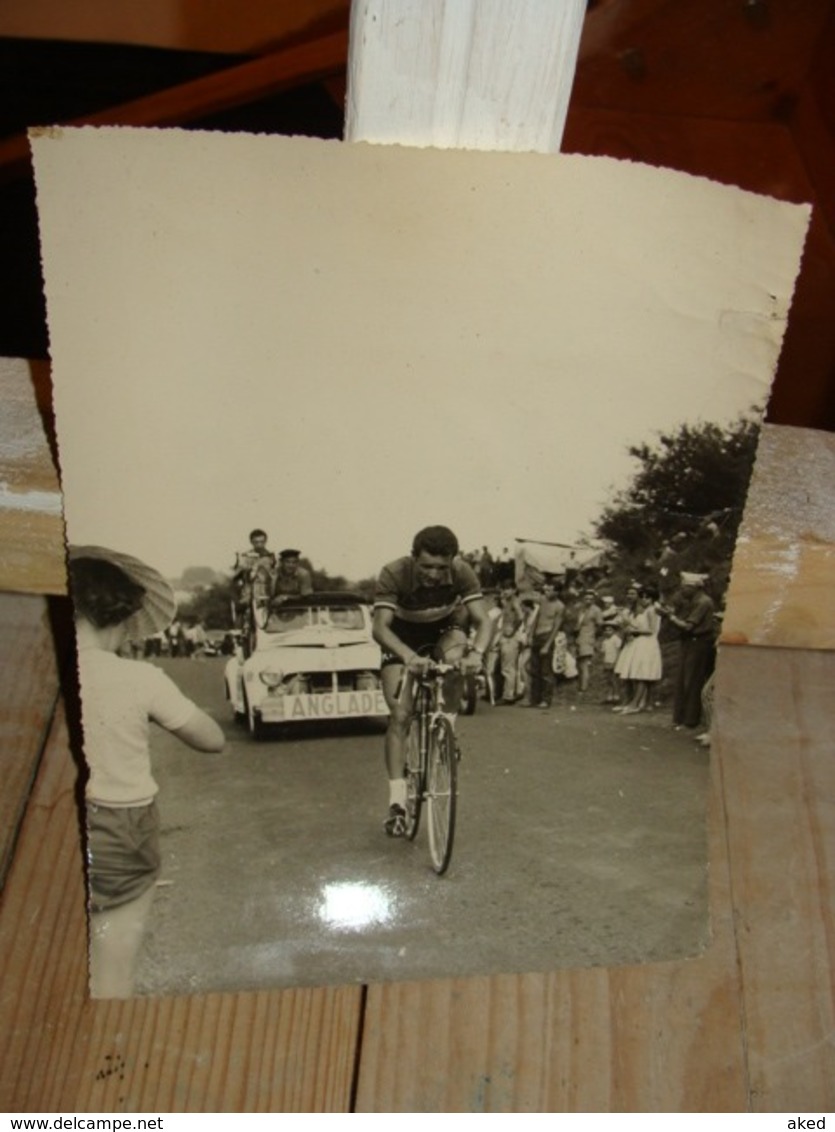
[399,590]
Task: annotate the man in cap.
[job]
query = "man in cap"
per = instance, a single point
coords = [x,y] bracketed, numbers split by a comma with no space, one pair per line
[695,621]
[291,579]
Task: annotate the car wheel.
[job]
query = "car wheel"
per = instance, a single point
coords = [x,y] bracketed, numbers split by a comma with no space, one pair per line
[260,730]
[255,724]
[238,716]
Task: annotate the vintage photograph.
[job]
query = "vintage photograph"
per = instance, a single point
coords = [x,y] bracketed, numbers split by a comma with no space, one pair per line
[401,494]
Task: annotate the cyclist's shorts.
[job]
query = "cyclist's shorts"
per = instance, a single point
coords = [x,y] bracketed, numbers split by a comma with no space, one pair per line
[123,853]
[422,636]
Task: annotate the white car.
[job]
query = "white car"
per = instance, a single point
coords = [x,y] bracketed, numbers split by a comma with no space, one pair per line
[313,658]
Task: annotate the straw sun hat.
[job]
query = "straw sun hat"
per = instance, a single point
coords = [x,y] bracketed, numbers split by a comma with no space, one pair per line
[158,605]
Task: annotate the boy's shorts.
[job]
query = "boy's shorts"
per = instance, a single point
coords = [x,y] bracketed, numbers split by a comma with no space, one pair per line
[122,853]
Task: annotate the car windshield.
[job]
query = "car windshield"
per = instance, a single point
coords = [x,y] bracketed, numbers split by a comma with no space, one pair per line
[286,620]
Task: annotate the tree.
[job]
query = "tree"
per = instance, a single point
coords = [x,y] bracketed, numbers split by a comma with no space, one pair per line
[198,577]
[323,580]
[682,509]
[212,605]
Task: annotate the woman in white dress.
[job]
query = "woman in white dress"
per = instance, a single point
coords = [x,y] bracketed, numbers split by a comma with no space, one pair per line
[627,630]
[643,667]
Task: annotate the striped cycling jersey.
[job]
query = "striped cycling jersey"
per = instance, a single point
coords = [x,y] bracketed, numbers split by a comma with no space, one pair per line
[399,590]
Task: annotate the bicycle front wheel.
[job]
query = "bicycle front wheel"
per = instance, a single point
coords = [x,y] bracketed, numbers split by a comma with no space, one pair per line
[414,779]
[441,793]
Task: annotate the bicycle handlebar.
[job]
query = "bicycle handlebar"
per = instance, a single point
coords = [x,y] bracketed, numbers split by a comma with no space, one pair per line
[440,667]
[434,668]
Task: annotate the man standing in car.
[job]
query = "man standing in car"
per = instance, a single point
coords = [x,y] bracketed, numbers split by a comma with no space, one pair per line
[252,575]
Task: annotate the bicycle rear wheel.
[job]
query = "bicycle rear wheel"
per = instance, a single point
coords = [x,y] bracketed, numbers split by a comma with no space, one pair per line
[441,792]
[414,779]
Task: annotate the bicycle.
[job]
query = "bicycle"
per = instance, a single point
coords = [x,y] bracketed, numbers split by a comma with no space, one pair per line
[432,756]
[251,605]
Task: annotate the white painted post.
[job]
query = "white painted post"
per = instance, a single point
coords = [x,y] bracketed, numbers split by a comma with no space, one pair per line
[471,74]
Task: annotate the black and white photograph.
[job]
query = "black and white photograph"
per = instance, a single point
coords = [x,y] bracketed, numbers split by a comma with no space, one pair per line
[401,491]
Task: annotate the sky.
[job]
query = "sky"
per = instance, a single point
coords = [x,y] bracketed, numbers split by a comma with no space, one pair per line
[342,344]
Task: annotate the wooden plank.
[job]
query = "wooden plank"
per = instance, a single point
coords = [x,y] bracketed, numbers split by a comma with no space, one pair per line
[697,58]
[61,1052]
[759,157]
[29,679]
[275,1051]
[655,1038]
[223,90]
[802,392]
[43,969]
[815,142]
[31,521]
[778,735]
[184,25]
[781,590]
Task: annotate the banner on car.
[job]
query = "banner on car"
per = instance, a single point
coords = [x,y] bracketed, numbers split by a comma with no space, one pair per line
[322,705]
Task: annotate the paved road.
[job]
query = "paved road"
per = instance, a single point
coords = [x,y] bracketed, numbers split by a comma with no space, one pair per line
[581,840]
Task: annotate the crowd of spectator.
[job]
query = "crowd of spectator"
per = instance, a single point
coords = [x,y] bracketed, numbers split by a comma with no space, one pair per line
[619,650]
[184,637]
[491,569]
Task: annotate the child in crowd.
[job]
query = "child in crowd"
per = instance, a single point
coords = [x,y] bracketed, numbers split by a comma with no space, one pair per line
[610,645]
[116,598]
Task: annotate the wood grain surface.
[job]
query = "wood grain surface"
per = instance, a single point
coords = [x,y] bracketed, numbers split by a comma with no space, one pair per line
[29,679]
[778,778]
[59,1051]
[193,25]
[781,590]
[31,520]
[746,1026]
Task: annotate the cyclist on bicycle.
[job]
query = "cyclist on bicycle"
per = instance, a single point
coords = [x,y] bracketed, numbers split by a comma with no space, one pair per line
[423,606]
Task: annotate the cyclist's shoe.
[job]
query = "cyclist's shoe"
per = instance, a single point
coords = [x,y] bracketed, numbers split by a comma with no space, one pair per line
[395,823]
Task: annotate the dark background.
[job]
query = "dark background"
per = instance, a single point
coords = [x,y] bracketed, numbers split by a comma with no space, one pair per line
[741,91]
